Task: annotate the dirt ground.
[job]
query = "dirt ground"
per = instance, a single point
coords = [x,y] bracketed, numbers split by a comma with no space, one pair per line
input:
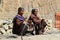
[30,37]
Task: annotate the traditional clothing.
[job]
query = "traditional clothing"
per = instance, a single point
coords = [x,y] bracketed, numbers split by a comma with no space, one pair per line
[39,24]
[35,19]
[17,29]
[21,18]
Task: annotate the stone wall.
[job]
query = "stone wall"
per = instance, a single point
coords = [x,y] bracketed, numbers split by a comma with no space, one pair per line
[47,8]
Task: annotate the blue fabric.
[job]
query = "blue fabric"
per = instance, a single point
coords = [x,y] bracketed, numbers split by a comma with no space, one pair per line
[21,18]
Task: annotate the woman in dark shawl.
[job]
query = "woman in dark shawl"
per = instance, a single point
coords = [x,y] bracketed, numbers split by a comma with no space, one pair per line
[18,22]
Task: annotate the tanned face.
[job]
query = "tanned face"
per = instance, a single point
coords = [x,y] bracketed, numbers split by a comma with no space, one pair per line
[21,12]
[36,12]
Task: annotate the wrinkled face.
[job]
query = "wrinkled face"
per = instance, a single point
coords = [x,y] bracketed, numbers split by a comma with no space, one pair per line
[36,12]
[21,12]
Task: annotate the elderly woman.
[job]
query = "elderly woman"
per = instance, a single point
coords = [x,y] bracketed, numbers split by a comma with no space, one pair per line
[39,24]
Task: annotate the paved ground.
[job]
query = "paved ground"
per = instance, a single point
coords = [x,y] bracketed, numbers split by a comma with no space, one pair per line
[36,37]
